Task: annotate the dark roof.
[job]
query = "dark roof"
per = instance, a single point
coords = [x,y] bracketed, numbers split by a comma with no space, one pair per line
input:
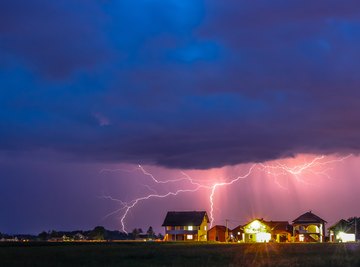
[339,225]
[347,226]
[238,228]
[279,225]
[309,217]
[185,218]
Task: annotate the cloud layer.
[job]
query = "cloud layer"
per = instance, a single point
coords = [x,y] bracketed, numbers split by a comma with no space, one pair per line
[188,84]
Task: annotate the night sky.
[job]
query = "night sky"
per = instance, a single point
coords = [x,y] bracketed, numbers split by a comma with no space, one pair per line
[89,89]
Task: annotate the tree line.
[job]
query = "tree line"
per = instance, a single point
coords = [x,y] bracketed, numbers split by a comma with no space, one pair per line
[99,233]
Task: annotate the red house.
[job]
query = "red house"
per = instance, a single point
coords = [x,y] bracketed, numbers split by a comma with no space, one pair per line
[219,233]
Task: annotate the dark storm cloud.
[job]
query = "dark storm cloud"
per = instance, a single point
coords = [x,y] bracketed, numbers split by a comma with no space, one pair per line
[180,83]
[54,38]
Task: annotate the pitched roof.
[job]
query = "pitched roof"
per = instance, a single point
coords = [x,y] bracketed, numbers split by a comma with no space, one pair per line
[342,224]
[309,217]
[185,218]
[279,225]
[347,226]
[238,228]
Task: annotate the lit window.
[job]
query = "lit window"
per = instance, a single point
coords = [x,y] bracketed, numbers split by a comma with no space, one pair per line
[301,238]
[190,237]
[205,227]
[190,228]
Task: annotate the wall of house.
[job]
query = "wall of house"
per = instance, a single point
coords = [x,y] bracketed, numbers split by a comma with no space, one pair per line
[309,232]
[202,232]
[216,234]
[256,231]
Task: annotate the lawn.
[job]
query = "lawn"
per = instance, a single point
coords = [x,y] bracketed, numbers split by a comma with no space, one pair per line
[178,254]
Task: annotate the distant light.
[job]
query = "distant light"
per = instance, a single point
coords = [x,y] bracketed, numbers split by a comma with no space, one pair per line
[191,228]
[189,237]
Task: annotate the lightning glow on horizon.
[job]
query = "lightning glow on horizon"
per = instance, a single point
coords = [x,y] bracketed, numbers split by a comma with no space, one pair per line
[276,170]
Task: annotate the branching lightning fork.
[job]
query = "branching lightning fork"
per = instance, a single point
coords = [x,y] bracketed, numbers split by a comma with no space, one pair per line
[276,169]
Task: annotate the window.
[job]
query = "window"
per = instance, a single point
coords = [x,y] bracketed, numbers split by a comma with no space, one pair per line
[205,227]
[190,237]
[190,228]
[301,238]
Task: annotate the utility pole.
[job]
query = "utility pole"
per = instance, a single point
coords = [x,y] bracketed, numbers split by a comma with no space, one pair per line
[226,231]
[356,229]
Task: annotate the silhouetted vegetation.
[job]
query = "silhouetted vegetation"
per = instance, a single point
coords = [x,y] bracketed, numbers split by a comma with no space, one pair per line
[99,233]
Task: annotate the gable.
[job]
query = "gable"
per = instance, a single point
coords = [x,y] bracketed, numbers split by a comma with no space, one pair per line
[308,217]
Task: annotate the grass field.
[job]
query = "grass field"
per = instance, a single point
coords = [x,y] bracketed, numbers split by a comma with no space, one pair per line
[178,254]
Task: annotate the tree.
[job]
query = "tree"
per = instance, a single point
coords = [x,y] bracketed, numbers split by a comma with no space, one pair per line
[98,233]
[160,236]
[54,234]
[43,236]
[150,232]
[135,233]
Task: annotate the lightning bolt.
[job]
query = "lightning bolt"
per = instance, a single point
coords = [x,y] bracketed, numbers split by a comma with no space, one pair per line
[276,169]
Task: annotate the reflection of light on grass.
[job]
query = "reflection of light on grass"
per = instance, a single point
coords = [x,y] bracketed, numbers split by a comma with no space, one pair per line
[344,237]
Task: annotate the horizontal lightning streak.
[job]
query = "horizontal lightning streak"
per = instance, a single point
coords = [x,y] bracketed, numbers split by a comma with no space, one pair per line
[276,170]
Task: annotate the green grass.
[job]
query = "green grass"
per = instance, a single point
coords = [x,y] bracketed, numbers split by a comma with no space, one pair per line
[178,254]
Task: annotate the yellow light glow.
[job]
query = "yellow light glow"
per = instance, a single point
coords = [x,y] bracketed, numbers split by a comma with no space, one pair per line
[189,237]
[263,237]
[256,225]
[344,237]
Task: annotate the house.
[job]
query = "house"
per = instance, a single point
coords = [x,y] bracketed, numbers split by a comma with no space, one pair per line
[219,233]
[236,234]
[309,227]
[186,226]
[259,230]
[345,230]
[281,231]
